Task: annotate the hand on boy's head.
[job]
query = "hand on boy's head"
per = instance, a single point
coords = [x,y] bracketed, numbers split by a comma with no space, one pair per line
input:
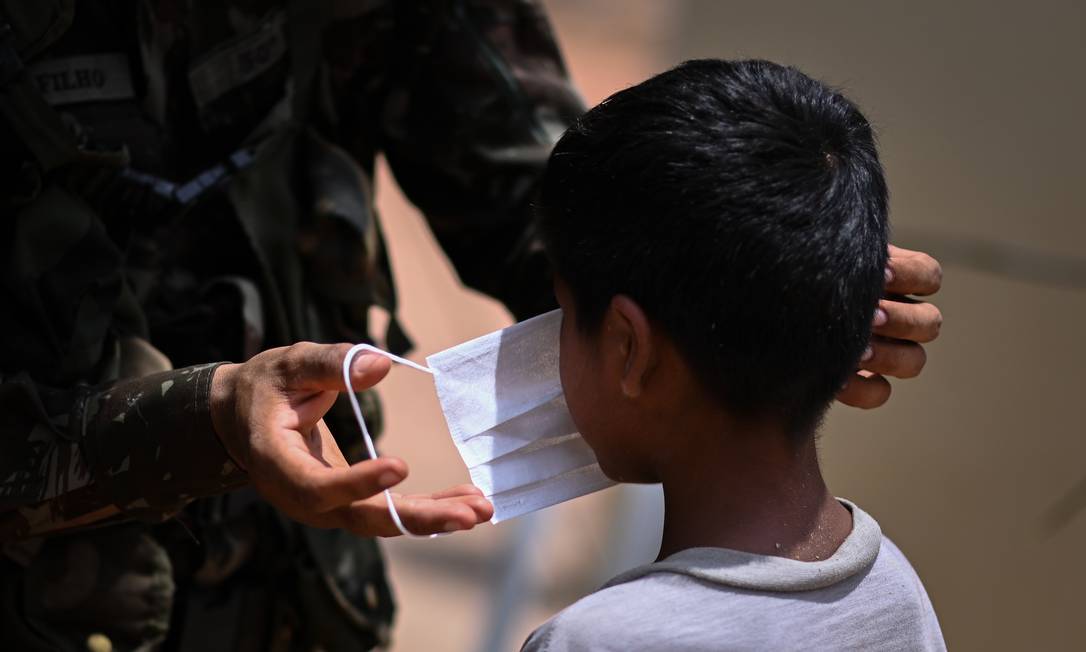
[913,272]
[900,326]
[734,218]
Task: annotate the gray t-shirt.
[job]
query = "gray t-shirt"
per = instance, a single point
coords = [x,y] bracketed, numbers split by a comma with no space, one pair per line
[865,597]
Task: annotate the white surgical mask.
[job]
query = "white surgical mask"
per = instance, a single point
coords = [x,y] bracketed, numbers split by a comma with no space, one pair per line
[503,402]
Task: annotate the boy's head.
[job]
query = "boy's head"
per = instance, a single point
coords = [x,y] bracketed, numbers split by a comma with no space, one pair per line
[720,231]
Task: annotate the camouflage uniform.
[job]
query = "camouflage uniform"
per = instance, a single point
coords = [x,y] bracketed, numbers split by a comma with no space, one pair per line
[197,174]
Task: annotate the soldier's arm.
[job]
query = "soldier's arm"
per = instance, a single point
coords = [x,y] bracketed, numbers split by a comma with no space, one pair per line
[143,448]
[477,95]
[139,448]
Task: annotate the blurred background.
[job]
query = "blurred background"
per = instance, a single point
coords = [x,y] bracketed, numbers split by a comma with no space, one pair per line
[978,469]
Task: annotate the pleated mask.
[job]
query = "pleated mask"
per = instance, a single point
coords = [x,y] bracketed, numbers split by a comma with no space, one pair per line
[502,399]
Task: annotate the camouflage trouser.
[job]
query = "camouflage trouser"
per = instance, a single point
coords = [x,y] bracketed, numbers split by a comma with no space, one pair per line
[259,581]
[229,574]
[79,591]
[301,589]
[266,583]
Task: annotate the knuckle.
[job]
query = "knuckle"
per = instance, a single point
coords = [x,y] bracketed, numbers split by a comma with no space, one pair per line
[304,350]
[287,363]
[265,360]
[294,358]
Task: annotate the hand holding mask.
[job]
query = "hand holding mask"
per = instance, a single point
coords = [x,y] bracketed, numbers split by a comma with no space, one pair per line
[502,400]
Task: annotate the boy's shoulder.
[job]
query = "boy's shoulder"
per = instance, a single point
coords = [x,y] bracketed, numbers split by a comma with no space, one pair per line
[711,598]
[623,616]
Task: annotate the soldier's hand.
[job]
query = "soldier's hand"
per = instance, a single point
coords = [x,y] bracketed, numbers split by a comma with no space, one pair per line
[269,414]
[900,327]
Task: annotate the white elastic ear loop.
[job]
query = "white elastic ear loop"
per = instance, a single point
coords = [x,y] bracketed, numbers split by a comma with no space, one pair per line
[355,350]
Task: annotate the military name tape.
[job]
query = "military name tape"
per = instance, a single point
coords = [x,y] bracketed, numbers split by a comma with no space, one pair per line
[83,78]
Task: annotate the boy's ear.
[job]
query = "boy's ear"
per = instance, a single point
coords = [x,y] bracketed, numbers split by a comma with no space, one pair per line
[627,328]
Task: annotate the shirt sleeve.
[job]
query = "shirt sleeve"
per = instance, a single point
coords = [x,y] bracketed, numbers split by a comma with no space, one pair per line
[139,448]
[478,96]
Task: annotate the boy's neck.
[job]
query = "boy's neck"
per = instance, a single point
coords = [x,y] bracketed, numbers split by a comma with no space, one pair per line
[752,491]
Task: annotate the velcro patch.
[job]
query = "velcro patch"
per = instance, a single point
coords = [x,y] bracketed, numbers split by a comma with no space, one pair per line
[237,62]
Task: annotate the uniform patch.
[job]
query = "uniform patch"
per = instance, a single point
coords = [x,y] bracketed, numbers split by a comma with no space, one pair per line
[237,62]
[83,78]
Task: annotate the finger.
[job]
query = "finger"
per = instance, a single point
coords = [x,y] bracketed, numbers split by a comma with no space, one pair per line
[913,272]
[472,497]
[483,508]
[320,489]
[423,515]
[916,322]
[865,391]
[420,515]
[896,358]
[306,365]
[458,490]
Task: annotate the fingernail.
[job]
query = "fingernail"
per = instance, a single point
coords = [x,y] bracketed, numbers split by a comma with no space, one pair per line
[880,317]
[388,478]
[364,363]
[452,526]
[868,352]
[888,274]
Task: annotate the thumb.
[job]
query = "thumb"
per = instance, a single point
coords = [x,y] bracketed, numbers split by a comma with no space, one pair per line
[320,367]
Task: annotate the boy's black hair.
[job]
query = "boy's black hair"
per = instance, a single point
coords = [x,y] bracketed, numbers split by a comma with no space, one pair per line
[742,205]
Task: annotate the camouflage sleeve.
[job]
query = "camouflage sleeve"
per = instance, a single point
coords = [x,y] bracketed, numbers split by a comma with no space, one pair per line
[477,97]
[139,448]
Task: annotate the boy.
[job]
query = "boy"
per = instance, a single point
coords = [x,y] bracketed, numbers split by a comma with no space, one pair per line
[719,235]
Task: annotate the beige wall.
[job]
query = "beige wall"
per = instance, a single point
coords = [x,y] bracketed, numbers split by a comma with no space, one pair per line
[979,108]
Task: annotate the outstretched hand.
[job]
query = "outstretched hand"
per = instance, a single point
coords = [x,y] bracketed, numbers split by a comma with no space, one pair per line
[900,327]
[269,414]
